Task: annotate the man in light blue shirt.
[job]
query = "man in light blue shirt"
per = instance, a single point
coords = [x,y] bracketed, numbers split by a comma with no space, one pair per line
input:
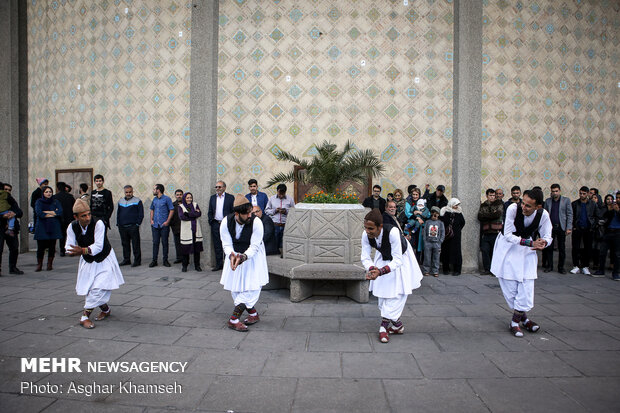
[161,214]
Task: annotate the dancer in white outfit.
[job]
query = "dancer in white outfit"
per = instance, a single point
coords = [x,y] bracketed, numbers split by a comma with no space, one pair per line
[527,229]
[98,272]
[394,271]
[245,271]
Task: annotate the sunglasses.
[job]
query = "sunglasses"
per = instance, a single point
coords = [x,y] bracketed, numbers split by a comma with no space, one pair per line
[218,187]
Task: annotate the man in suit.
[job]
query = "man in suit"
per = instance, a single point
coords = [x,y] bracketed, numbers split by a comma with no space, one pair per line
[220,205]
[255,196]
[375,200]
[561,213]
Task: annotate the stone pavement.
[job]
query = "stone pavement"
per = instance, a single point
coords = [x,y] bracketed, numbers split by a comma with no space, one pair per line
[319,355]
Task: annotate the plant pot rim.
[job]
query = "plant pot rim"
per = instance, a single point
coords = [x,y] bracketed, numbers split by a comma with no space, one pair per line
[306,205]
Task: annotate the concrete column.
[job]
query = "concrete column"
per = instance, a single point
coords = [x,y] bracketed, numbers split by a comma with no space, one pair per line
[203,109]
[14,104]
[467,123]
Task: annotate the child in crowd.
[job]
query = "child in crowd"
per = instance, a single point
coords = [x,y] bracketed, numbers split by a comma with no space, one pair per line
[433,235]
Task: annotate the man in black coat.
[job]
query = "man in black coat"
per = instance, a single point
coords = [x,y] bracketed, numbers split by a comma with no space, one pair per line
[12,242]
[375,200]
[66,202]
[220,205]
[437,198]
[269,234]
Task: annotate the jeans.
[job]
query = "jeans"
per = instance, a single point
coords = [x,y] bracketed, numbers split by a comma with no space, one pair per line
[160,234]
[487,242]
[13,244]
[279,235]
[217,243]
[611,241]
[431,258]
[559,237]
[177,245]
[581,256]
[130,238]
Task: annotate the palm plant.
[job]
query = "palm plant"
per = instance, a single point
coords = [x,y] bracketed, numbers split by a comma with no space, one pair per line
[330,168]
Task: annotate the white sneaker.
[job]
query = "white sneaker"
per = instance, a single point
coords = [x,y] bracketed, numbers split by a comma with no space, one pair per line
[585,270]
[575,270]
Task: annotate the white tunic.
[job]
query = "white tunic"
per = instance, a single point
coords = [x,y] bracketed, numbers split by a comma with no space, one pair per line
[105,275]
[511,260]
[253,273]
[405,274]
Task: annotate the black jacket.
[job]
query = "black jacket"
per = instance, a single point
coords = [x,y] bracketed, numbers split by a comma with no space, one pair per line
[66,202]
[229,200]
[591,210]
[368,202]
[434,201]
[18,214]
[269,235]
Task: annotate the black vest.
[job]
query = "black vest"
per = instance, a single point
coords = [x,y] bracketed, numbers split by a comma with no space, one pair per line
[530,231]
[243,243]
[386,247]
[88,239]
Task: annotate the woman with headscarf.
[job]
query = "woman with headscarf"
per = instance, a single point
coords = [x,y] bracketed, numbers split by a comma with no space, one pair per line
[400,206]
[47,228]
[453,220]
[191,235]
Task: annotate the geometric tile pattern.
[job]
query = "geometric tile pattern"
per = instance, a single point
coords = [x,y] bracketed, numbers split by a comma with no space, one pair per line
[108,88]
[551,94]
[292,73]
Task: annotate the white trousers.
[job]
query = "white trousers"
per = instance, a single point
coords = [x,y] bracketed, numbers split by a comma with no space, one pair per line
[519,295]
[249,298]
[392,308]
[97,297]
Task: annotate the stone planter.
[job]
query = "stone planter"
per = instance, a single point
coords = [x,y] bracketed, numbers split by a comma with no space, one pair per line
[321,250]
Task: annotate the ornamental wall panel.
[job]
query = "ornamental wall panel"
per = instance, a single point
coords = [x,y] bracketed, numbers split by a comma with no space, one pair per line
[550,94]
[109,89]
[294,73]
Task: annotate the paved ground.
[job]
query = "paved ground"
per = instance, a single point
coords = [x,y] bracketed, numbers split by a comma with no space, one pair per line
[320,355]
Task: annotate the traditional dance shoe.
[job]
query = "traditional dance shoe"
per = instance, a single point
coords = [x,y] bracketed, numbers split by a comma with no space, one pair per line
[238,326]
[531,326]
[103,315]
[516,331]
[252,319]
[87,324]
[384,337]
[394,330]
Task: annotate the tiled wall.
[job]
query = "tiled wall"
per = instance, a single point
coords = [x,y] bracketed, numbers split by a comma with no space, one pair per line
[294,73]
[109,89]
[550,94]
